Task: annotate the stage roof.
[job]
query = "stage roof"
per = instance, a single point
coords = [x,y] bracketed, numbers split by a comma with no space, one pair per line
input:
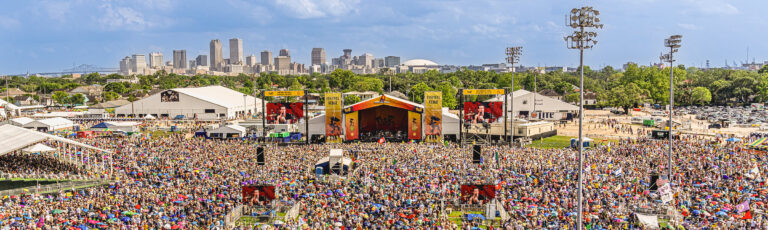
[384,100]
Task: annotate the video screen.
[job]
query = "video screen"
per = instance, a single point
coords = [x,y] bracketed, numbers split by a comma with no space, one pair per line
[258,195]
[477,194]
[483,112]
[284,113]
[169,96]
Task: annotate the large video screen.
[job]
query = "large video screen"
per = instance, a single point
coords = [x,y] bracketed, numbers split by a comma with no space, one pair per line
[169,96]
[483,112]
[284,113]
[258,195]
[477,194]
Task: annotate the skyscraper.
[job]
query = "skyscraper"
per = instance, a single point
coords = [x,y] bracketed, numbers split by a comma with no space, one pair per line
[283,63]
[235,51]
[318,56]
[216,57]
[251,60]
[391,61]
[179,59]
[138,63]
[365,60]
[348,53]
[155,60]
[284,52]
[201,60]
[266,57]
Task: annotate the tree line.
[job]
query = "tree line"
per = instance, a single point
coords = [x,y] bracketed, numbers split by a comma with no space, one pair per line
[626,89]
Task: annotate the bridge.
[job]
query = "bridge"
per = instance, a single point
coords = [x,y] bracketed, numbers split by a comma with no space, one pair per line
[81,69]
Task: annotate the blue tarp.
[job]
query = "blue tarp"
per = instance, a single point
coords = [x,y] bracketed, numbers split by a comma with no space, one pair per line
[471,217]
[102,125]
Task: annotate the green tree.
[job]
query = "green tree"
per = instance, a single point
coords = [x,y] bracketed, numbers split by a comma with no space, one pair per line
[700,96]
[10,100]
[449,94]
[416,94]
[116,87]
[111,96]
[60,97]
[351,99]
[77,99]
[626,96]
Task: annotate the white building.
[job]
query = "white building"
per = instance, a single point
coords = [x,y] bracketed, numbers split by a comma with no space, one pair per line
[535,106]
[50,124]
[211,102]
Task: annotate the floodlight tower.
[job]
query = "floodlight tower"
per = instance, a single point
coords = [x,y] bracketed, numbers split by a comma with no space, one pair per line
[513,56]
[582,20]
[673,42]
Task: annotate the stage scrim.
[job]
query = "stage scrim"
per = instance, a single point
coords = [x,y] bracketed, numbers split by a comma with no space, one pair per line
[433,116]
[333,131]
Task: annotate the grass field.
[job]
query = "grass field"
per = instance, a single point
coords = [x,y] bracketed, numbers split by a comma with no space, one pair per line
[14,184]
[555,142]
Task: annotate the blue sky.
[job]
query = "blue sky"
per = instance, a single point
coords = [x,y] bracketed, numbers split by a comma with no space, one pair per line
[51,35]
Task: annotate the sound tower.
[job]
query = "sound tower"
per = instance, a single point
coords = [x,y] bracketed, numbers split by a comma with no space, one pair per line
[476,151]
[260,156]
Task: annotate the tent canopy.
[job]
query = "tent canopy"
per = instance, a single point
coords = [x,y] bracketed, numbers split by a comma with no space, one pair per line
[14,138]
[39,148]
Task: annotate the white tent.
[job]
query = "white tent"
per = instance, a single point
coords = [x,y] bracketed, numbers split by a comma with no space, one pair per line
[21,121]
[149,117]
[228,131]
[13,138]
[50,124]
[39,148]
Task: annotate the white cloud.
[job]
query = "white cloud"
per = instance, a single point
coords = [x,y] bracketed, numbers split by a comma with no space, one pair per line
[258,13]
[318,8]
[688,26]
[117,18]
[718,7]
[156,4]
[7,22]
[57,10]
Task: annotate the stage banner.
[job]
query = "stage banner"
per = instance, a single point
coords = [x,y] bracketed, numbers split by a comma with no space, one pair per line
[297,93]
[333,131]
[353,129]
[433,116]
[284,113]
[414,125]
[483,91]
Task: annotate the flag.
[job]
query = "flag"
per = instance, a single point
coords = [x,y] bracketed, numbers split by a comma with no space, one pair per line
[747,215]
[382,140]
[744,206]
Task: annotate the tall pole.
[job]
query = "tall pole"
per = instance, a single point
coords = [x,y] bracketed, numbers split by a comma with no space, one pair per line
[673,42]
[263,117]
[582,18]
[513,55]
[306,114]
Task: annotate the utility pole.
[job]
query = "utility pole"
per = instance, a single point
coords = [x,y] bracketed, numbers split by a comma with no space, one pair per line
[581,39]
[673,42]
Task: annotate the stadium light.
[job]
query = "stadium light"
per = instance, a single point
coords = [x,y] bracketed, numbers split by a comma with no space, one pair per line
[582,20]
[673,43]
[513,56]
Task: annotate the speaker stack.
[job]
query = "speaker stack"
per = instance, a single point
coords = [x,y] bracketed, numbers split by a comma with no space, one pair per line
[476,153]
[260,156]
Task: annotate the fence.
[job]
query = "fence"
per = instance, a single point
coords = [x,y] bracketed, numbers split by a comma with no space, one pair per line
[233,216]
[52,188]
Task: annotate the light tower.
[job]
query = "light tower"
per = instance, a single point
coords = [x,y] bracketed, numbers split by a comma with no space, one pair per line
[673,42]
[513,56]
[582,20]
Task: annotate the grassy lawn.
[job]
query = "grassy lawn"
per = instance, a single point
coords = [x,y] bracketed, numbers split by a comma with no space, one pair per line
[553,142]
[13,184]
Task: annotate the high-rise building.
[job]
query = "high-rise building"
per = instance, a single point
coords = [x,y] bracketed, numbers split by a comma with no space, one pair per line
[216,57]
[138,63]
[180,59]
[235,51]
[266,57]
[391,61]
[348,53]
[282,63]
[378,63]
[251,61]
[201,60]
[365,60]
[192,64]
[126,67]
[155,60]
[284,52]
[318,56]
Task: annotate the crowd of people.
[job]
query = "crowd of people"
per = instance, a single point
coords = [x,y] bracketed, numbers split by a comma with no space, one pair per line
[179,183]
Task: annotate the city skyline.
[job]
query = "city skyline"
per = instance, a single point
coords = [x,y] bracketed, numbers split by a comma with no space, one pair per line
[452,33]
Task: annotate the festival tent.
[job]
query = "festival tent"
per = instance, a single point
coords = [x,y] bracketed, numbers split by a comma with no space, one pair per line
[201,133]
[13,138]
[39,148]
[733,139]
[758,142]
[116,126]
[21,121]
[50,124]
[228,131]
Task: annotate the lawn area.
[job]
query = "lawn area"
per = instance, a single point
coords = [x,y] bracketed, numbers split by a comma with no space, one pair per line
[13,184]
[553,142]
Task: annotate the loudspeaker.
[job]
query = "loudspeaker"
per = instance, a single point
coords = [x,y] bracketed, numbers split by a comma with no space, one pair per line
[476,153]
[654,178]
[260,156]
